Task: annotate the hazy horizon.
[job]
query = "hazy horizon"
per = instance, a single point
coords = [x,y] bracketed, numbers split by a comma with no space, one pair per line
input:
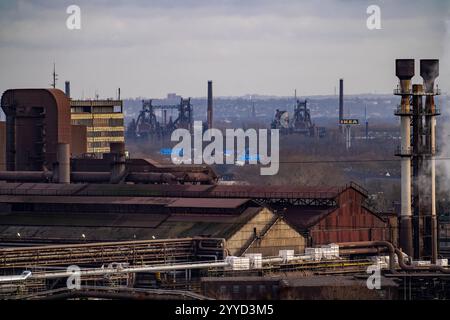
[252,47]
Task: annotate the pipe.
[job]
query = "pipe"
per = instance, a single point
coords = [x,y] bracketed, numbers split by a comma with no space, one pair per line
[81,176]
[100,177]
[151,177]
[24,276]
[105,271]
[63,159]
[26,176]
[363,244]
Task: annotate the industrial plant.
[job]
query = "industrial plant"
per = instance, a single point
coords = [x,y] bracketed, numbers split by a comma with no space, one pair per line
[136,227]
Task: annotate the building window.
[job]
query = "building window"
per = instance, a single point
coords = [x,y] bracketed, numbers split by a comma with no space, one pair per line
[249,290]
[223,290]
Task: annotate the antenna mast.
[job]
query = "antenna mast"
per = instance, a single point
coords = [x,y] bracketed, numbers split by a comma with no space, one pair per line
[55,76]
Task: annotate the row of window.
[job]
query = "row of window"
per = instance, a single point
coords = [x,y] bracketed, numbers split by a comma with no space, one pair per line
[99,122]
[105,134]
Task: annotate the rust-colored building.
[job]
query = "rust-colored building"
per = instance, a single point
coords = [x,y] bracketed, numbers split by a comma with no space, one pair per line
[37,120]
[350,220]
[250,220]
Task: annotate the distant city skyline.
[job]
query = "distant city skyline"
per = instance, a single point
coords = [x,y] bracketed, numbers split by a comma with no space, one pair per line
[250,47]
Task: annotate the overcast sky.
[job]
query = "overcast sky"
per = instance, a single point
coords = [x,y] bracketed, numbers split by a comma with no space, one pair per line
[152,47]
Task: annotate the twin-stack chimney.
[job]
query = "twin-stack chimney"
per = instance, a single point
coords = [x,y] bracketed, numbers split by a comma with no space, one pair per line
[418,227]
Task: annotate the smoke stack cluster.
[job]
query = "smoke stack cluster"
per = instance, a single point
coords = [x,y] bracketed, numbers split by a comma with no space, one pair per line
[210,105]
[418,221]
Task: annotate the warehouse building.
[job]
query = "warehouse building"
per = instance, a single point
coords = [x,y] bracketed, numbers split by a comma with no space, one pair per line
[250,222]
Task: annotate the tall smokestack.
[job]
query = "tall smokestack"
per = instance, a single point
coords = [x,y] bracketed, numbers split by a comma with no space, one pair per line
[68,89]
[429,71]
[341,99]
[404,69]
[210,105]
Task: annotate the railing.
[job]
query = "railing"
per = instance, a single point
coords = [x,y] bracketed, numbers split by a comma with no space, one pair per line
[400,151]
[403,92]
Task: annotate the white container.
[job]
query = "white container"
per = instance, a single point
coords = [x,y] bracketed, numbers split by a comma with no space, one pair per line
[238,263]
[442,262]
[286,255]
[255,260]
[315,253]
[330,251]
[421,263]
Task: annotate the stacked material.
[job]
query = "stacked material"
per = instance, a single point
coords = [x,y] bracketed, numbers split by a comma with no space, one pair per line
[286,255]
[442,262]
[255,260]
[330,251]
[314,253]
[238,263]
[421,263]
[381,262]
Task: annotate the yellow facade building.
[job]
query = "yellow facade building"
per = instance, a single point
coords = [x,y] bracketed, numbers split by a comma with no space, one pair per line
[104,123]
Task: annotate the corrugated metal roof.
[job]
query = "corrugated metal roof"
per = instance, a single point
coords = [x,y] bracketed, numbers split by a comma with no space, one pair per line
[206,191]
[87,200]
[117,227]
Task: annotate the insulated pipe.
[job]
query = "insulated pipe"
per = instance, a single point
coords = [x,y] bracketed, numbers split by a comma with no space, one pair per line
[63,159]
[81,176]
[151,177]
[369,244]
[26,176]
[99,271]
[90,176]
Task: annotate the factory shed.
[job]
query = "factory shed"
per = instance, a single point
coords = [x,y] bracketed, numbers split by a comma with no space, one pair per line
[245,225]
[349,220]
